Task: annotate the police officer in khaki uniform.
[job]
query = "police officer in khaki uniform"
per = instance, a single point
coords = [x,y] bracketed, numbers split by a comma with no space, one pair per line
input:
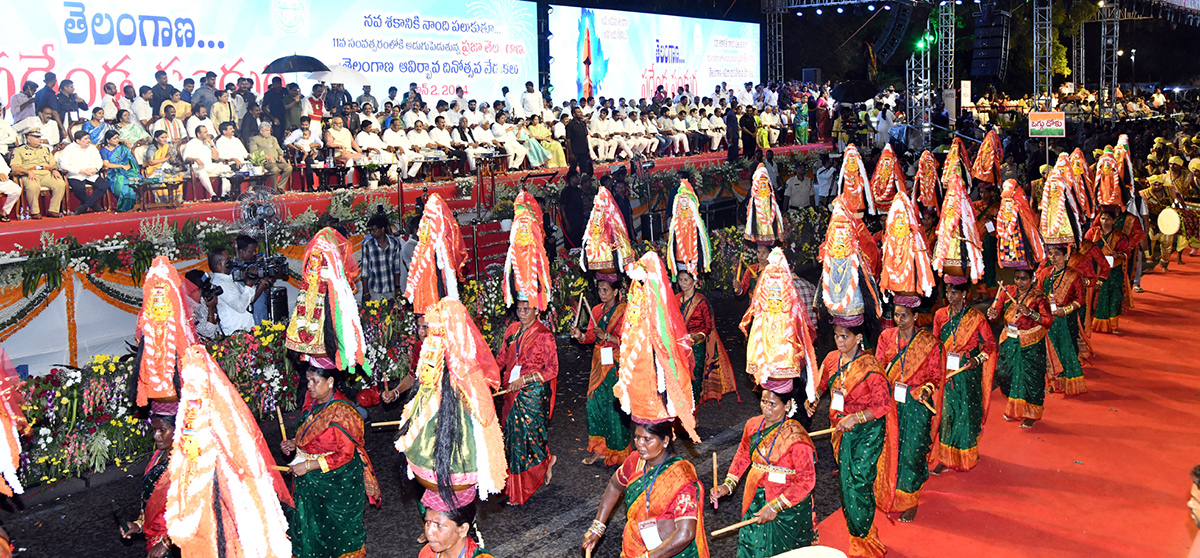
[38,169]
[276,164]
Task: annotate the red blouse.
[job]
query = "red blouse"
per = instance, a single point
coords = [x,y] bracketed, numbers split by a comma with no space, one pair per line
[799,457]
[872,393]
[1034,300]
[340,449]
[932,370]
[685,504]
[701,318]
[1090,263]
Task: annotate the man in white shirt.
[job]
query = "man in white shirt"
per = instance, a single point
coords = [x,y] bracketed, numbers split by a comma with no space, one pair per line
[662,141]
[419,137]
[199,118]
[826,175]
[677,129]
[472,114]
[559,130]
[230,148]
[600,137]
[9,189]
[44,122]
[142,110]
[460,98]
[370,142]
[619,136]
[408,157]
[169,124]
[745,97]
[770,121]
[706,127]
[799,189]
[297,135]
[462,137]
[412,116]
[112,100]
[82,164]
[638,142]
[531,100]
[234,303]
[505,133]
[512,103]
[201,154]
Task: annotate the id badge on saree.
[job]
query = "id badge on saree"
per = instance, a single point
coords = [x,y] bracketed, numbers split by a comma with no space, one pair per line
[953,361]
[606,356]
[649,531]
[989,226]
[900,393]
[1053,307]
[1110,260]
[1013,331]
[837,401]
[514,374]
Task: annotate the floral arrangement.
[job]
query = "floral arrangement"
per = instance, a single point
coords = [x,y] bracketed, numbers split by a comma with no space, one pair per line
[390,330]
[81,420]
[256,363]
[569,283]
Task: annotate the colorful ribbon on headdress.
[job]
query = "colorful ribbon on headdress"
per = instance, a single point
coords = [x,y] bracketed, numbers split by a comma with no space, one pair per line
[440,254]
[958,244]
[1019,243]
[780,337]
[165,326]
[888,180]
[526,267]
[855,192]
[687,237]
[605,240]
[906,267]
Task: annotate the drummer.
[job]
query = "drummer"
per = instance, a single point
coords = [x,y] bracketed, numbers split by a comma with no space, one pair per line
[1164,223]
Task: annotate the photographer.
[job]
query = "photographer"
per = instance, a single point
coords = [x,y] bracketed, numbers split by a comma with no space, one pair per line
[233,304]
[247,253]
[202,303]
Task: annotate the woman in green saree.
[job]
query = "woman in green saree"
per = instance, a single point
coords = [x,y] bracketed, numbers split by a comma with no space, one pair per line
[1064,290]
[1110,299]
[608,426]
[132,132]
[1021,370]
[334,479]
[970,350]
[663,498]
[782,463]
[800,122]
[121,169]
[528,360]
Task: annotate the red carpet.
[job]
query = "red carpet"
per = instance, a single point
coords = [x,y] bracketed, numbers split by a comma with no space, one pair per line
[1103,474]
[96,226]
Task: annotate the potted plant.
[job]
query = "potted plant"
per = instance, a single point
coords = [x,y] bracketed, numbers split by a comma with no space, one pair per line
[256,162]
[372,172]
[503,212]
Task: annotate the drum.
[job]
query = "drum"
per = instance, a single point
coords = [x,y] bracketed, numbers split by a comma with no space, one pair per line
[813,552]
[1168,221]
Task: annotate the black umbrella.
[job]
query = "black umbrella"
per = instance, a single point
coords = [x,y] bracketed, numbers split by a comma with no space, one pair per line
[854,91]
[295,63]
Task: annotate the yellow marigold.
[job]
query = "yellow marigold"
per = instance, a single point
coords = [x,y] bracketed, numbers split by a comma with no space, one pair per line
[65,401]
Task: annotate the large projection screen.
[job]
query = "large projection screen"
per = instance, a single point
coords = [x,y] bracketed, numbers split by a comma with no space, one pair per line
[477,44]
[627,54]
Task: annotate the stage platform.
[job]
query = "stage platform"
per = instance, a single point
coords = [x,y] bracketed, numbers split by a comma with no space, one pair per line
[96,226]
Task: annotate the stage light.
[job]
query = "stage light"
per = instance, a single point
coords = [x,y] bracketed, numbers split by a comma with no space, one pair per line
[549,9]
[819,11]
[799,13]
[887,6]
[551,60]
[921,45]
[957,2]
[1120,53]
[870,7]
[840,10]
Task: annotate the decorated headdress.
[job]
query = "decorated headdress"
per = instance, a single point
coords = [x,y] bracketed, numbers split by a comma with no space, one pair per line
[1124,161]
[988,159]
[958,254]
[764,220]
[958,163]
[687,238]
[654,382]
[1083,176]
[438,258]
[1064,172]
[605,240]
[906,268]
[1060,216]
[223,477]
[1108,184]
[847,278]
[888,179]
[1019,243]
[165,326]
[326,322]
[853,185]
[526,268]
[928,186]
[12,425]
[456,374]
[779,344]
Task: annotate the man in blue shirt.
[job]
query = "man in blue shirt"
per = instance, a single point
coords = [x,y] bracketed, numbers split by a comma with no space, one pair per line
[45,96]
[336,99]
[206,95]
[189,85]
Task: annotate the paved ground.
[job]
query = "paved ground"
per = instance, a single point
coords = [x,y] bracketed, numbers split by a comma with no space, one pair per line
[550,525]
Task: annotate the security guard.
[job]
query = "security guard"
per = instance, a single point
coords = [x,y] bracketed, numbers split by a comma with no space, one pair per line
[35,162]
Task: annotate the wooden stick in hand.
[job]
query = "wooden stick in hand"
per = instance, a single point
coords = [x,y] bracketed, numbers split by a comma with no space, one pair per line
[282,469]
[282,430]
[387,423]
[714,477]
[734,527]
[822,432]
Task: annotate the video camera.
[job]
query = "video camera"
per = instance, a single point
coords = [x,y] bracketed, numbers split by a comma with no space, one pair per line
[208,290]
[261,267]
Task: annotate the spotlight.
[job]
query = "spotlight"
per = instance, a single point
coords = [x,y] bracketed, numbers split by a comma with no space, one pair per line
[887,6]
[549,9]
[799,13]
[819,11]
[840,10]
[957,2]
[870,7]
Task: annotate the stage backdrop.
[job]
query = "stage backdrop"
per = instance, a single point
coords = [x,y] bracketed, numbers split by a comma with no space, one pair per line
[439,44]
[627,54]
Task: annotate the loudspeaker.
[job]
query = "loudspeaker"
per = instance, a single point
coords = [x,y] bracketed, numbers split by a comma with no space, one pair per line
[653,226]
[812,75]
[278,308]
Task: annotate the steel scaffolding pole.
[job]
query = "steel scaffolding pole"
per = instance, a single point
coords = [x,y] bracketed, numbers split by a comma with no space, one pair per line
[1110,40]
[774,11]
[1042,53]
[1080,61]
[945,45]
[920,90]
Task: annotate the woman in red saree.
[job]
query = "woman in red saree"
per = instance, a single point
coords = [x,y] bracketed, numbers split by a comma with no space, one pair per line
[528,360]
[333,476]
[153,523]
[663,498]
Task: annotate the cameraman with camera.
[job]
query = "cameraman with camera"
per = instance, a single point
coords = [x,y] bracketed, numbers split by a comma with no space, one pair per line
[234,302]
[202,303]
[255,270]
